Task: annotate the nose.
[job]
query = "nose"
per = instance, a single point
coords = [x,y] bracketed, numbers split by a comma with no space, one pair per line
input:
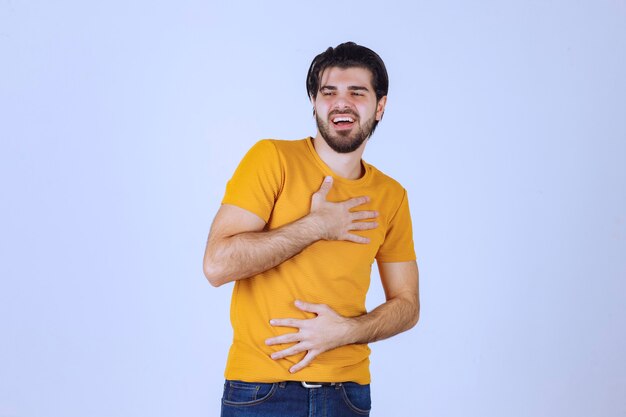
[342,102]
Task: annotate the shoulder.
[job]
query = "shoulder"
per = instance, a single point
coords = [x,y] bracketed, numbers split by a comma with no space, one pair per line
[265,151]
[380,179]
[283,145]
[276,151]
[264,146]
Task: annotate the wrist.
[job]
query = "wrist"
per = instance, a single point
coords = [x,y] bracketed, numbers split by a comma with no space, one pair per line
[351,331]
[313,227]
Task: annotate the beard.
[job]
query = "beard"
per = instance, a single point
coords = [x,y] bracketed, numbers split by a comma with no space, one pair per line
[345,141]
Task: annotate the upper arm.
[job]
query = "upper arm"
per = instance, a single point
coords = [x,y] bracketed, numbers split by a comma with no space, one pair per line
[229,221]
[247,204]
[400,279]
[257,181]
[398,244]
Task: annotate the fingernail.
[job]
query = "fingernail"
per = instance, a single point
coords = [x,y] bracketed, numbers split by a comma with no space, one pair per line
[328,178]
[272,322]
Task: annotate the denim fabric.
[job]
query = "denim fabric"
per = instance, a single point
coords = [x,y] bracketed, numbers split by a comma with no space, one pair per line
[291,399]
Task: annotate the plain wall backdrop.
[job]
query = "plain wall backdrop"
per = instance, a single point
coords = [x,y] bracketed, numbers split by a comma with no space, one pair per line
[121,122]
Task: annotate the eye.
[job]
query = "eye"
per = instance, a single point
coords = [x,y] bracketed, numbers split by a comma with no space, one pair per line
[357,93]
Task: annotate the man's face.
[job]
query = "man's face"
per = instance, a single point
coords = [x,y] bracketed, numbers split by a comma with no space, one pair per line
[346,107]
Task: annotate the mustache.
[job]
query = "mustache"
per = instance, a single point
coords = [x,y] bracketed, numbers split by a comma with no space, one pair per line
[343,111]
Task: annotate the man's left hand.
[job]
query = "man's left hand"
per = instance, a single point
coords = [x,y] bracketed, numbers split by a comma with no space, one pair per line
[317,335]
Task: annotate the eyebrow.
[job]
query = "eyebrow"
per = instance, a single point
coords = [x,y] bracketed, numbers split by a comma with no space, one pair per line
[351,88]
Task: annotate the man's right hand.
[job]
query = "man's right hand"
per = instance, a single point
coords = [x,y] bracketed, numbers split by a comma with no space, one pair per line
[335,221]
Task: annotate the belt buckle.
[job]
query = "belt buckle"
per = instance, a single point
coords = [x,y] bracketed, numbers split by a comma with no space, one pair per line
[306,384]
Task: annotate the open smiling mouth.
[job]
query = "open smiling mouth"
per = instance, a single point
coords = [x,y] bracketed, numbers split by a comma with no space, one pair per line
[343,122]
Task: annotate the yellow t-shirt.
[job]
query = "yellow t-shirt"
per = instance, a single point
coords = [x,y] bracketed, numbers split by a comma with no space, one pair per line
[275,180]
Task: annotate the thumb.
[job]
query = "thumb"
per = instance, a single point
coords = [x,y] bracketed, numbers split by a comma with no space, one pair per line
[326,186]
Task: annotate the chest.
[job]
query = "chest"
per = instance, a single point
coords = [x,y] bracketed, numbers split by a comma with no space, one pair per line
[294,202]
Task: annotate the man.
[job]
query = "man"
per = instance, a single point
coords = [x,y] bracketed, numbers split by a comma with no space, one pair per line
[300,225]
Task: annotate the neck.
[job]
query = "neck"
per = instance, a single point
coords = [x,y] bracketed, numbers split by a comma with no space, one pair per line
[346,165]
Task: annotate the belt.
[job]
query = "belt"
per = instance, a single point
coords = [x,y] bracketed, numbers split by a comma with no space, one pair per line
[306,384]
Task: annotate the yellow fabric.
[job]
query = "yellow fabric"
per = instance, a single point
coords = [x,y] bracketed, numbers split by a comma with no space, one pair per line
[275,180]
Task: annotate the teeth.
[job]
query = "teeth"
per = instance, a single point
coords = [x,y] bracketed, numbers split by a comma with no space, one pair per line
[343,119]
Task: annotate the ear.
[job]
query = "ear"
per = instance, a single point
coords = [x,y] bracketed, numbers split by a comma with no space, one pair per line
[380,108]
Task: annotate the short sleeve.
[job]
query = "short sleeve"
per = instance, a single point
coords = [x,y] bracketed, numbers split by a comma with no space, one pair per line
[398,243]
[257,181]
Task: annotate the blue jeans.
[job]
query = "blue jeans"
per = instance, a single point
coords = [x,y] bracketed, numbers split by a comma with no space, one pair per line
[291,399]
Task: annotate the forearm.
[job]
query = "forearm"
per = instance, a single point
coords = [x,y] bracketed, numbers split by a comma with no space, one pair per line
[394,316]
[246,254]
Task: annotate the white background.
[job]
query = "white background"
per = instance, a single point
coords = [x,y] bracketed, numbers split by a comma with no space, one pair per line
[121,121]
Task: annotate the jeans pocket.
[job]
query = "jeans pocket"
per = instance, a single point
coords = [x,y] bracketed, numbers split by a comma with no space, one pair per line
[357,397]
[246,393]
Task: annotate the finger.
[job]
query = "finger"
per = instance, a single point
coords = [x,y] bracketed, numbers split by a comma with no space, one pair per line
[363,226]
[363,215]
[304,362]
[356,201]
[285,323]
[282,339]
[356,238]
[310,307]
[290,351]
[326,186]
